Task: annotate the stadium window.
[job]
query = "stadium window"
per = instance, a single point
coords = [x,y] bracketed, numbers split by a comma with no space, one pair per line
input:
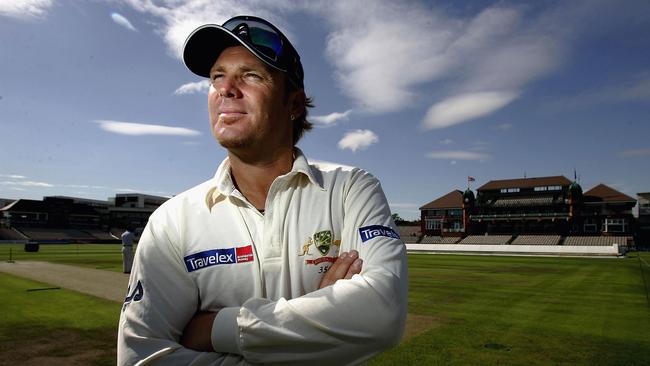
[432,224]
[555,188]
[512,190]
[615,225]
[457,226]
[590,226]
[539,189]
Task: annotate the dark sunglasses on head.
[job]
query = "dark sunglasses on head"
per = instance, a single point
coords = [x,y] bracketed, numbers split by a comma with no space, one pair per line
[258,34]
[268,42]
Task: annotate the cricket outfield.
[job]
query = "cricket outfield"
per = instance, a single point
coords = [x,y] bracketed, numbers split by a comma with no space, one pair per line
[463,310]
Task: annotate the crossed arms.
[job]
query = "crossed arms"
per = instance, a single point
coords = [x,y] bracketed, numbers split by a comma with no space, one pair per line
[197,335]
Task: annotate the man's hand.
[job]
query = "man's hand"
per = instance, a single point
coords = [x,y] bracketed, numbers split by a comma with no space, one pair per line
[346,266]
[198,332]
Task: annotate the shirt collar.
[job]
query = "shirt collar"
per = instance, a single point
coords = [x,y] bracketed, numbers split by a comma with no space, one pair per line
[301,165]
[222,185]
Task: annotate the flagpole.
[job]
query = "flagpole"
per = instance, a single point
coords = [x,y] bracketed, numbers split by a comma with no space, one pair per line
[469,179]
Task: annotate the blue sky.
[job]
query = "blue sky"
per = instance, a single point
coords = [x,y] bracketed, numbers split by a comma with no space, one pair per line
[94,99]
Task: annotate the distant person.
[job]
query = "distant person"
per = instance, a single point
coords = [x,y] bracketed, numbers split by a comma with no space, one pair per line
[128,238]
[274,260]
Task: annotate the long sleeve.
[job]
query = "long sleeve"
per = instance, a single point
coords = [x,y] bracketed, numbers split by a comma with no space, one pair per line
[161,300]
[346,323]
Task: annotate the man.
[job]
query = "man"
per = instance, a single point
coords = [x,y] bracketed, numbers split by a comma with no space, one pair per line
[274,260]
[127,249]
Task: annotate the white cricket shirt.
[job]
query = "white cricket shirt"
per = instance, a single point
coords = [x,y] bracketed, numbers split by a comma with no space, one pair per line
[209,249]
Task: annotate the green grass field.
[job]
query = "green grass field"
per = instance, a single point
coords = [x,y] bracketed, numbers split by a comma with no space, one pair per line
[41,325]
[463,310]
[98,256]
[526,311]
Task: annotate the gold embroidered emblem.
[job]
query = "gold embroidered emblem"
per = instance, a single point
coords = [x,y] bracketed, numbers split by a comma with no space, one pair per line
[322,240]
[305,248]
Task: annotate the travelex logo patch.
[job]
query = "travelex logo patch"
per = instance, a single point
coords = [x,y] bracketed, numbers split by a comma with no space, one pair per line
[214,257]
[373,231]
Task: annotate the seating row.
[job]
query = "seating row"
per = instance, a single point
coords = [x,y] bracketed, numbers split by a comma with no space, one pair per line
[487,239]
[537,240]
[597,240]
[530,240]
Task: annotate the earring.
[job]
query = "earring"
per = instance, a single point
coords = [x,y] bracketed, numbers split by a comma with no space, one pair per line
[292,117]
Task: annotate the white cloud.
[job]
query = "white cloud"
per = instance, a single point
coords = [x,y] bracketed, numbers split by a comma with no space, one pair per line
[480,145]
[383,62]
[331,119]
[85,186]
[504,126]
[28,183]
[13,176]
[193,87]
[76,186]
[326,164]
[126,190]
[379,57]
[178,18]
[121,20]
[358,140]
[139,129]
[636,90]
[24,9]
[634,153]
[458,155]
[447,141]
[462,108]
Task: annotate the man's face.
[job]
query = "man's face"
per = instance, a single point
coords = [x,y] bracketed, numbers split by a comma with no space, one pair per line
[247,105]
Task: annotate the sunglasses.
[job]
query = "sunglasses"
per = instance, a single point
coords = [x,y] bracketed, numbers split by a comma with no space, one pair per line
[261,35]
[269,42]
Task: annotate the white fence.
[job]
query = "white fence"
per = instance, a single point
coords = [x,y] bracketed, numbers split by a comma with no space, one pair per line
[611,250]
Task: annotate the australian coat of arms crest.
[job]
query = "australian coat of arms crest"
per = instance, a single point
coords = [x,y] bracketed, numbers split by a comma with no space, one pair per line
[322,240]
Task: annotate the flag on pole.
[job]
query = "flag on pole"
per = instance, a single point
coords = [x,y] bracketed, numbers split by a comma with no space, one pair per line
[470,179]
